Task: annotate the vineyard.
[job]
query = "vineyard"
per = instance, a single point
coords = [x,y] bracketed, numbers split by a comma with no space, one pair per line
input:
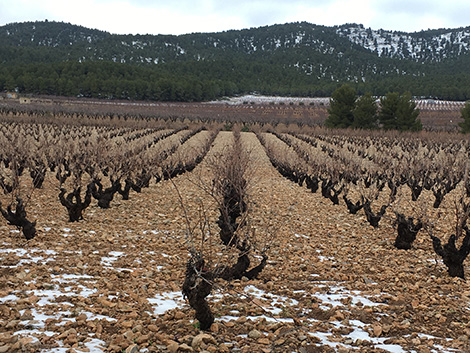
[435,115]
[151,235]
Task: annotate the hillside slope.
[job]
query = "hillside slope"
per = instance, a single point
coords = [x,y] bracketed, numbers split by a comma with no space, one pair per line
[290,59]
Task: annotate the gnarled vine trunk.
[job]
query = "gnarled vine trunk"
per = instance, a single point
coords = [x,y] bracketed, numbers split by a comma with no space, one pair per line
[105,196]
[75,208]
[18,219]
[197,286]
[407,231]
[230,186]
[353,207]
[453,258]
[374,218]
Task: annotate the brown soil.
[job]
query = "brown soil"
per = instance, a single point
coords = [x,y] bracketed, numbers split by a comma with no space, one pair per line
[136,250]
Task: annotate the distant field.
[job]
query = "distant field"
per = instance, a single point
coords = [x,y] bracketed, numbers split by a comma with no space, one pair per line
[435,114]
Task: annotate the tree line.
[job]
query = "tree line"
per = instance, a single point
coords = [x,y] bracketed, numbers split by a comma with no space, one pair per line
[395,112]
[203,81]
[110,81]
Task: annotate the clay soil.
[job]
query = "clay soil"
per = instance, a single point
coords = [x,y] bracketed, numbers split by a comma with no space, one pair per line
[112,282]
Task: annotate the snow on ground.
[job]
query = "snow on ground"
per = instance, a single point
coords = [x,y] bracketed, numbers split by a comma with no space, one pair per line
[424,104]
[53,302]
[93,346]
[257,99]
[166,301]
[274,306]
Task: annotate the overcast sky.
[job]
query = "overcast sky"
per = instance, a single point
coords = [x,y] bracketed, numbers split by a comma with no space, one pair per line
[187,16]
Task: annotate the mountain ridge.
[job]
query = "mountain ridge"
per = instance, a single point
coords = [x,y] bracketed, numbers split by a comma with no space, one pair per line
[313,56]
[367,38]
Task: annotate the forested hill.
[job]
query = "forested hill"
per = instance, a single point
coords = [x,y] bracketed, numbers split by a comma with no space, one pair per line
[300,59]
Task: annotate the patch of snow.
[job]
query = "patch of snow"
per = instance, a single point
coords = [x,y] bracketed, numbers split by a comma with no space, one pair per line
[107,261]
[301,236]
[336,294]
[9,298]
[260,99]
[19,252]
[272,303]
[116,253]
[27,255]
[166,301]
[324,258]
[227,318]
[92,345]
[358,333]
[405,45]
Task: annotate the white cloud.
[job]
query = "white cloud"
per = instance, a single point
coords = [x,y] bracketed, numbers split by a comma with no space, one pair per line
[416,15]
[334,12]
[186,16]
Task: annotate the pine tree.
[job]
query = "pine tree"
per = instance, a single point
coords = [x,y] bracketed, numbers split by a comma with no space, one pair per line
[408,114]
[341,108]
[399,112]
[465,114]
[365,113]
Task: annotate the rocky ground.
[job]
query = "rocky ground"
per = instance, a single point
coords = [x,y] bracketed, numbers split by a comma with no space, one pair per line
[112,282]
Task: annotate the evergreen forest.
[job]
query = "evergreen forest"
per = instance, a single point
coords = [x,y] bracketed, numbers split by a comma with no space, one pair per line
[296,59]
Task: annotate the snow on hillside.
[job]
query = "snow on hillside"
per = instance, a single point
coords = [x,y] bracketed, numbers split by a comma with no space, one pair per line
[409,45]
